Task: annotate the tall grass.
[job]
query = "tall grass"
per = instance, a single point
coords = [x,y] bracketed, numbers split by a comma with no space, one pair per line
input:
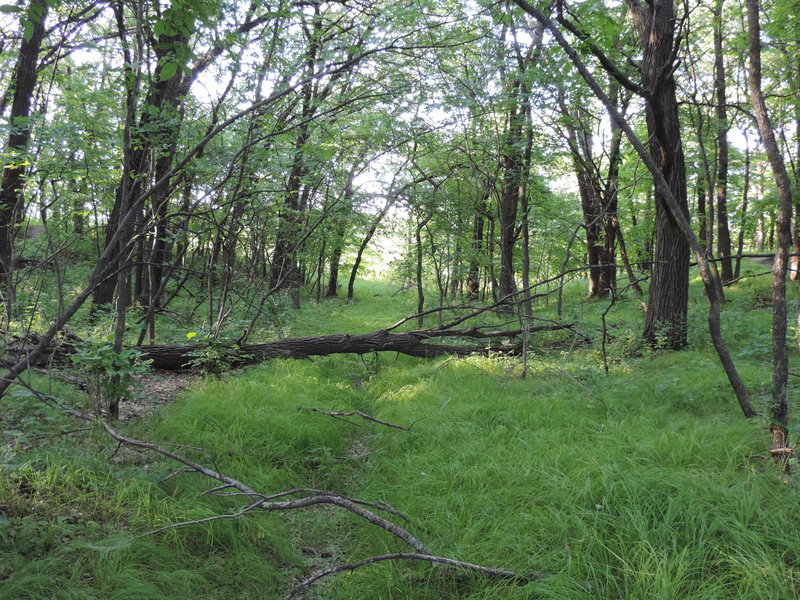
[645,483]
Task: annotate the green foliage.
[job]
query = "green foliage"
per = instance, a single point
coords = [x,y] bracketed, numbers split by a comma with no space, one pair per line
[109,373]
[213,355]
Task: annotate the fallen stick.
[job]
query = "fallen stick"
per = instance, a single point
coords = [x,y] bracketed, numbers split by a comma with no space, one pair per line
[353,413]
[480,569]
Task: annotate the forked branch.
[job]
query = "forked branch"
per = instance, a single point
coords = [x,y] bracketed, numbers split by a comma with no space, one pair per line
[481,570]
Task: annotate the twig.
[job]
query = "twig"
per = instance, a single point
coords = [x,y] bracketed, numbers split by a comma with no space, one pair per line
[380,505]
[487,571]
[68,432]
[353,413]
[174,474]
[235,515]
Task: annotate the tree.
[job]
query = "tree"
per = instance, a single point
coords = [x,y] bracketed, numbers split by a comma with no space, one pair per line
[721,108]
[780,370]
[678,212]
[668,297]
[14,161]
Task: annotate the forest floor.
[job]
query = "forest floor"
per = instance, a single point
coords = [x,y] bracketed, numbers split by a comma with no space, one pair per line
[155,390]
[639,482]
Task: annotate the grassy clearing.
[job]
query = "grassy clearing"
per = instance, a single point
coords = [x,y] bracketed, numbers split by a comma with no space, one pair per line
[640,484]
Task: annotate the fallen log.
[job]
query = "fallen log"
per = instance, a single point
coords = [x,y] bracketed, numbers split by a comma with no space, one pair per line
[412,343]
[177,357]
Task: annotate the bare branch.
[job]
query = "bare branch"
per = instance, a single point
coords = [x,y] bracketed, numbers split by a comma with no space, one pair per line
[486,571]
[352,413]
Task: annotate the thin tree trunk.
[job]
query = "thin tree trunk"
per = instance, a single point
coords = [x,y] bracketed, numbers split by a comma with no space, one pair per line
[623,252]
[473,278]
[780,372]
[702,218]
[723,230]
[418,270]
[743,214]
[336,257]
[365,242]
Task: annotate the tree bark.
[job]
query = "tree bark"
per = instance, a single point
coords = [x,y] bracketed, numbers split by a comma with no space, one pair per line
[474,276]
[668,298]
[365,242]
[159,126]
[24,84]
[743,214]
[414,343]
[509,195]
[723,231]
[780,371]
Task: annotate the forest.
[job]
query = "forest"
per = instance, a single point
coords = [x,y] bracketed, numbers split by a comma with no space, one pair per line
[486,299]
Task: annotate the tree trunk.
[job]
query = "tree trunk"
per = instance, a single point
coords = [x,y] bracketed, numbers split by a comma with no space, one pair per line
[723,231]
[474,276]
[678,212]
[509,195]
[285,274]
[780,371]
[743,213]
[702,219]
[365,242]
[159,121]
[795,260]
[336,257]
[13,180]
[412,343]
[338,240]
[668,299]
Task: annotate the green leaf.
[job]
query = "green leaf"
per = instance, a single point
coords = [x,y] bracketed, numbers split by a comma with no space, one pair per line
[27,30]
[10,9]
[168,71]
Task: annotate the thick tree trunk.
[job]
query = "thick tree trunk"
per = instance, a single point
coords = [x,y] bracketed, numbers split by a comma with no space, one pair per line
[668,299]
[509,196]
[414,343]
[13,179]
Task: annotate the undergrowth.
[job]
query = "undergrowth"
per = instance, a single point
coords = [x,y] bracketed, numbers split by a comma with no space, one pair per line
[643,483]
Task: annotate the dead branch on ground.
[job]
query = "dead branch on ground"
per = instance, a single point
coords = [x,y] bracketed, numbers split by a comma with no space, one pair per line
[336,414]
[481,570]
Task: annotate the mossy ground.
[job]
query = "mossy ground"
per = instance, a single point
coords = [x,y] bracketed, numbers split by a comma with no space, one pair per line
[643,483]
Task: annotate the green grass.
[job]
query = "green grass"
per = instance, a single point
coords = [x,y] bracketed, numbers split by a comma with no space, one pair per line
[642,484]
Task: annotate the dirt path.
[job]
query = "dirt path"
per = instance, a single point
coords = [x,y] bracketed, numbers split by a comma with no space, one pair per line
[154,390]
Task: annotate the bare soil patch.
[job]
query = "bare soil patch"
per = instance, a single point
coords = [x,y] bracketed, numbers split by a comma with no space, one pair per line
[153,391]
